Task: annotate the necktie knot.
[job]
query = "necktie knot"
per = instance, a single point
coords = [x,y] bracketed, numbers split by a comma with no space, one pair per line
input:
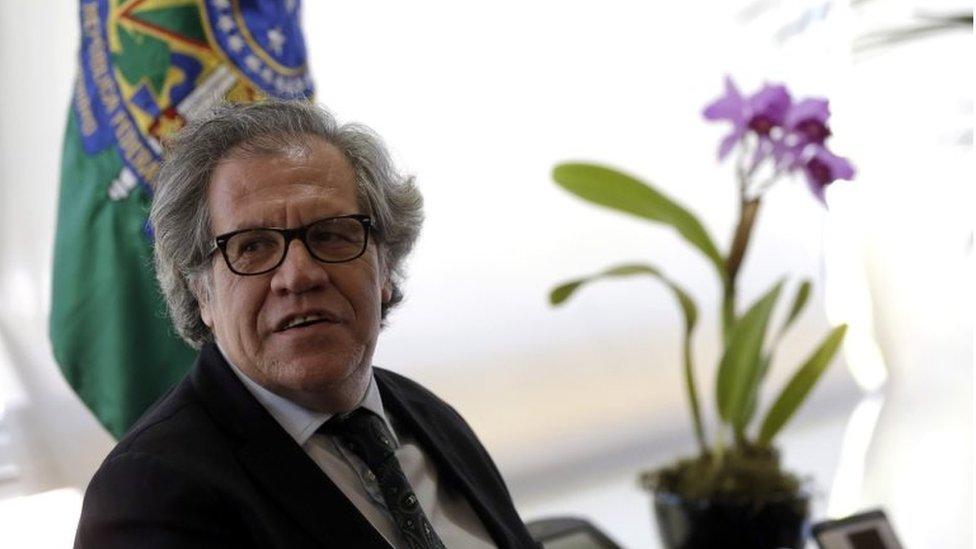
[365,434]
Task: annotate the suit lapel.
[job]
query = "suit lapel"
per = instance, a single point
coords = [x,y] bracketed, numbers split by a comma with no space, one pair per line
[276,463]
[307,494]
[429,431]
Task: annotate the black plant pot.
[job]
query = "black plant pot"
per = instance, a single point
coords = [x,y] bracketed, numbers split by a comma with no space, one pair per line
[732,524]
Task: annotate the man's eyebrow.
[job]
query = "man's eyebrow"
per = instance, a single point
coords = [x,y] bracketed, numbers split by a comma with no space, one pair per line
[261,225]
[248,225]
[332,212]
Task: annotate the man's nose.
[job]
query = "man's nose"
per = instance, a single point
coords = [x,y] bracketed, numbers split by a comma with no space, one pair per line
[299,272]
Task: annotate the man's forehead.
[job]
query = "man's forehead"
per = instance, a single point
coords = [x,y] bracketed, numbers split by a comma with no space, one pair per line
[255,186]
[261,162]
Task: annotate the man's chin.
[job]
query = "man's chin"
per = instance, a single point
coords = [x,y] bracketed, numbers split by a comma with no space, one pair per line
[318,377]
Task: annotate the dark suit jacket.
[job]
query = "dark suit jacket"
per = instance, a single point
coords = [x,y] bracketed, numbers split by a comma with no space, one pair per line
[207,466]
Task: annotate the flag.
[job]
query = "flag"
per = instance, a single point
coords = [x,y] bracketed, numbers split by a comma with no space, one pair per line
[146,67]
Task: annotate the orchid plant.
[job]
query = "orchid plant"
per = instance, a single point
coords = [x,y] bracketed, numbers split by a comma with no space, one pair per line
[776,138]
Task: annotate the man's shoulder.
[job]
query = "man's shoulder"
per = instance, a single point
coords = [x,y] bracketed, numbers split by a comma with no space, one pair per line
[415,395]
[178,424]
[175,447]
[170,481]
[406,386]
[421,405]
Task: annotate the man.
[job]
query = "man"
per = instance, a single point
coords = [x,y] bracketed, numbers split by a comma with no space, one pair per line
[283,434]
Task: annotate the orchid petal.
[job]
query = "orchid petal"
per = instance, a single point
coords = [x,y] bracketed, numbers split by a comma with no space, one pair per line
[818,190]
[808,120]
[770,103]
[809,109]
[823,168]
[730,106]
[728,143]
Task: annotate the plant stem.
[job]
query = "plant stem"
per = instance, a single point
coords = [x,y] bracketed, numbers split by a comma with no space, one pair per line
[735,255]
[748,209]
[693,398]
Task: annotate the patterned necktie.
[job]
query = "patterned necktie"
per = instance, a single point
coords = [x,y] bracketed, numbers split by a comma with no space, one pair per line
[366,435]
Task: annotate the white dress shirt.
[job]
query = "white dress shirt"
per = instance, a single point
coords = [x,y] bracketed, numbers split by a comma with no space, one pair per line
[448,511]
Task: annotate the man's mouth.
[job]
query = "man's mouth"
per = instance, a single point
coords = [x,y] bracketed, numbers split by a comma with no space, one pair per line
[305,320]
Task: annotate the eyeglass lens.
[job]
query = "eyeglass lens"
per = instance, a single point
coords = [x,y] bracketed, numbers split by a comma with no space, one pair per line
[333,240]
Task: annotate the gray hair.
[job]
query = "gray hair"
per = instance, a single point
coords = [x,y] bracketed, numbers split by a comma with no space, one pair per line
[180,213]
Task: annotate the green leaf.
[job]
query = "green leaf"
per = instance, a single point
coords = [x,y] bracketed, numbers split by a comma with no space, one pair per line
[616,190]
[800,385]
[799,301]
[559,294]
[741,365]
[752,402]
[564,291]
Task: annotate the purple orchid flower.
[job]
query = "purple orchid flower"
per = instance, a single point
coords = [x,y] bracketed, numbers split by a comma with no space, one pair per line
[822,168]
[807,122]
[760,113]
[791,135]
[768,108]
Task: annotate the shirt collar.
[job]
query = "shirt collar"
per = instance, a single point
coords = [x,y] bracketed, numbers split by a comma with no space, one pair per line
[299,422]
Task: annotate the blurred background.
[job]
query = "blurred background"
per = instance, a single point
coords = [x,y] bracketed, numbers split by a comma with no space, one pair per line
[479,102]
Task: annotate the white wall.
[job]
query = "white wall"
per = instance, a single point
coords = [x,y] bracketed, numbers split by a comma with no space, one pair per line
[479,103]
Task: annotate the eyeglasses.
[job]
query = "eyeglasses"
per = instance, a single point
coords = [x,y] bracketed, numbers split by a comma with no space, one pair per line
[330,240]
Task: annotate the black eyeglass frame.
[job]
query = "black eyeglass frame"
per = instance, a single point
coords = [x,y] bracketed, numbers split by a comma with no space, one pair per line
[220,241]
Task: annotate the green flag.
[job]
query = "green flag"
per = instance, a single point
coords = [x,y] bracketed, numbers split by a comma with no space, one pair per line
[146,68]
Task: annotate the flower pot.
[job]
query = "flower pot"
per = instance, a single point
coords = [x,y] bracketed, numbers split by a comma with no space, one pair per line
[732,524]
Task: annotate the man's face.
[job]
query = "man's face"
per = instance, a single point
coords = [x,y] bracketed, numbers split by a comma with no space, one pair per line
[324,365]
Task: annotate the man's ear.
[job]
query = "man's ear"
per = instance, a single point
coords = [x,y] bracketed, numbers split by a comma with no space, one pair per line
[203,299]
[386,292]
[205,314]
